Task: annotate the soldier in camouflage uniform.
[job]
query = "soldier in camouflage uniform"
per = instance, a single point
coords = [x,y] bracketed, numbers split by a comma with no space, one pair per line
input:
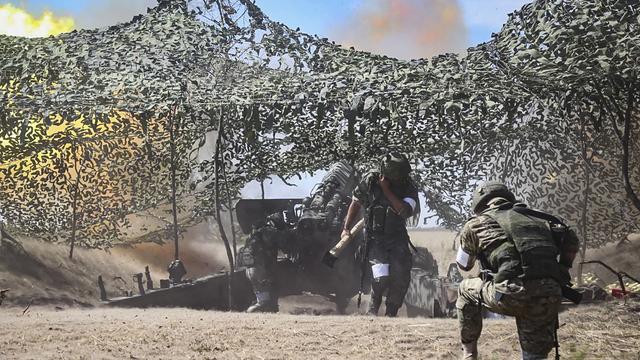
[518,250]
[389,197]
[260,255]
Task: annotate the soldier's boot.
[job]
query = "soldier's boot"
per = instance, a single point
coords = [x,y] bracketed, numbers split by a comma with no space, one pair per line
[378,287]
[470,351]
[391,310]
[532,356]
[264,303]
[263,307]
[374,304]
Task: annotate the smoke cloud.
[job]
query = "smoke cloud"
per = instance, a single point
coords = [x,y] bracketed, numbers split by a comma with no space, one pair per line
[106,13]
[201,250]
[405,29]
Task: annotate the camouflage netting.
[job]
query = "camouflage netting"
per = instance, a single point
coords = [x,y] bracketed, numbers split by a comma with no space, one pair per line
[103,123]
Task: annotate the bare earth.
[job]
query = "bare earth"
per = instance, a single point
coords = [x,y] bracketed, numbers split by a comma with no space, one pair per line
[99,333]
[55,328]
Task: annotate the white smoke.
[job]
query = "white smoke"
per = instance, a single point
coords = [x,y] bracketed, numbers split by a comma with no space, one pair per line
[104,13]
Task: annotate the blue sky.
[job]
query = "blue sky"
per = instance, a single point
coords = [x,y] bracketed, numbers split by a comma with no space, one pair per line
[481,17]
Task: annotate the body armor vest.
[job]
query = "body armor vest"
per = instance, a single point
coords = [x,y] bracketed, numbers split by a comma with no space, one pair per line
[531,251]
[382,219]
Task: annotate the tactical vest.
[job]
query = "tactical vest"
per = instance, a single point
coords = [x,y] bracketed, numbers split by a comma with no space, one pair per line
[381,218]
[534,241]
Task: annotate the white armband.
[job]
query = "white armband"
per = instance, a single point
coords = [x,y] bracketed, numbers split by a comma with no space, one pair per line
[463,259]
[411,203]
[380,270]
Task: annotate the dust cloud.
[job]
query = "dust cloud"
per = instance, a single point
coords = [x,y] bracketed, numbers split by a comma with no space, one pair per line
[200,249]
[405,29]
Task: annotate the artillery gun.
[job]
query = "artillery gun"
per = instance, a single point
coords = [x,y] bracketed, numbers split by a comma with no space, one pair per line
[318,220]
[429,294]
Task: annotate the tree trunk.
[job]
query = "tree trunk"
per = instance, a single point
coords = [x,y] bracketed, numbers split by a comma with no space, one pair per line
[74,204]
[618,115]
[223,235]
[626,155]
[583,221]
[586,161]
[230,207]
[174,205]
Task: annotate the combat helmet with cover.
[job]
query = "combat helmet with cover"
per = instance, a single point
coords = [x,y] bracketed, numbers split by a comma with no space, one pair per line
[277,220]
[487,191]
[395,166]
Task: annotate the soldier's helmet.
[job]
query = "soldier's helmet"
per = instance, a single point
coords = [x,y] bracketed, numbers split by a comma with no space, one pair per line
[487,191]
[277,221]
[395,166]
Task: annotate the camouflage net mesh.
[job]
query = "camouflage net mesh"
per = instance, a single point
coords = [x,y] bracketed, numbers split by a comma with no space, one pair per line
[100,124]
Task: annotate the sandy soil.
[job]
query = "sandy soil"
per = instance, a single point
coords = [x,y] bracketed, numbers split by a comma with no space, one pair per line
[99,333]
[54,327]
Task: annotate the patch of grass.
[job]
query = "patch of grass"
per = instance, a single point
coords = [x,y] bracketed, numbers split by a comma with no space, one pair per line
[578,355]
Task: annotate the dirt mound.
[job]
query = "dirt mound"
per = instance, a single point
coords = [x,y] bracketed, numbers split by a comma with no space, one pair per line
[201,251]
[38,272]
[622,257]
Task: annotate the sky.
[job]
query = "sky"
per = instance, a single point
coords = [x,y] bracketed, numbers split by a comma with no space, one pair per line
[327,18]
[335,19]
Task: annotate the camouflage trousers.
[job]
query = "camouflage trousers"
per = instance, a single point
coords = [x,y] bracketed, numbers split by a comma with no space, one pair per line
[534,304]
[398,261]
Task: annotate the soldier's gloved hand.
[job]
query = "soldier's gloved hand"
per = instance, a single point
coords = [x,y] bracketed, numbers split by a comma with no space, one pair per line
[345,232]
[384,182]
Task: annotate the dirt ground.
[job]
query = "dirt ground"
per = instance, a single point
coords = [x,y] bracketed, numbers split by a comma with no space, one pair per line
[611,332]
[63,322]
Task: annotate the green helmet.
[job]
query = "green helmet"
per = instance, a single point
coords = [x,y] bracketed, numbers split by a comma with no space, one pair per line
[487,191]
[395,166]
[277,221]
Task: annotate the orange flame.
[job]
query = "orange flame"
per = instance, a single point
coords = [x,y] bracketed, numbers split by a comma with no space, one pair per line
[18,22]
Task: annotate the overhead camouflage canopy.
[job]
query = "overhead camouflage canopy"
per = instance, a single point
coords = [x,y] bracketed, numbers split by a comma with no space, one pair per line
[104,123]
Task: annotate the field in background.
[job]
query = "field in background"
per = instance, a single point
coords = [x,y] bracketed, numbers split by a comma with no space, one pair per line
[439,242]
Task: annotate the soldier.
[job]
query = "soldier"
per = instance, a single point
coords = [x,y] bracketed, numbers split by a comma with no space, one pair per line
[260,255]
[389,197]
[521,275]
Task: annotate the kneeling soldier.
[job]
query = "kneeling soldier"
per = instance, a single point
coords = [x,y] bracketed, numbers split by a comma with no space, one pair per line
[524,255]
